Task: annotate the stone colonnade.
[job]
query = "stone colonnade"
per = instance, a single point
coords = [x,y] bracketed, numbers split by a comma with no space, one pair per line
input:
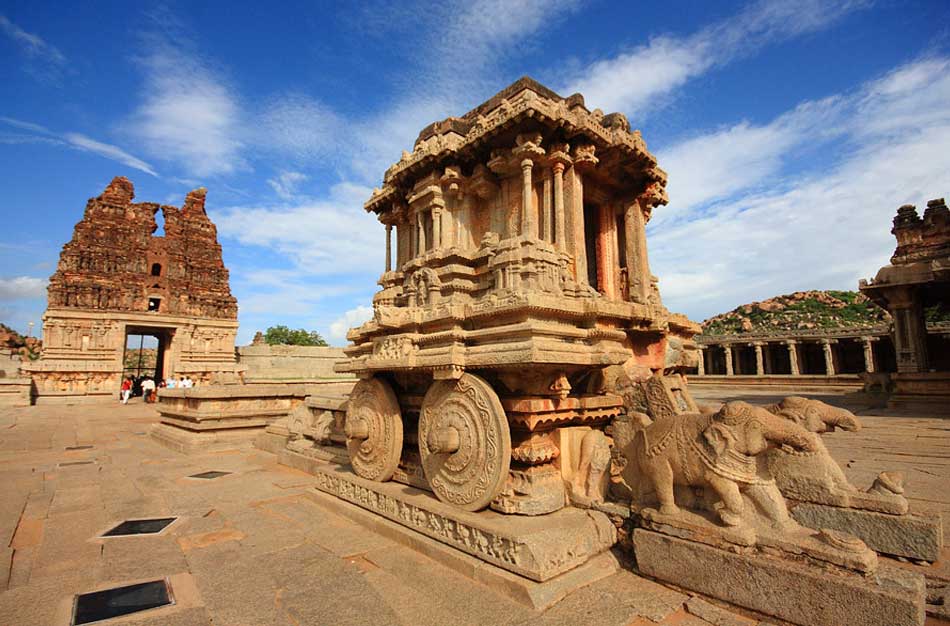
[799,356]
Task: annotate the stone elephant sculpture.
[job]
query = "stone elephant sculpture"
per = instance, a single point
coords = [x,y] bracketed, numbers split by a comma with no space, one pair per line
[815,415]
[815,476]
[716,450]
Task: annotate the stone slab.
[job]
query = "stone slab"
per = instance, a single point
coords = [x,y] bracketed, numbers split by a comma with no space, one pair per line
[538,548]
[270,442]
[190,442]
[537,595]
[914,536]
[800,594]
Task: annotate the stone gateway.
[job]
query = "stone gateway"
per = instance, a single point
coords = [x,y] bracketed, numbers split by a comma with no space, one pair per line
[115,278]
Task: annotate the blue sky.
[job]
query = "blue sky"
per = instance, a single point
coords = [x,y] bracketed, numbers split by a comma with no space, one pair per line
[791,131]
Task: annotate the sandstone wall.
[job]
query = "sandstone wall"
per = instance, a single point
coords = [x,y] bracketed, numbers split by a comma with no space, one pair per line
[281,363]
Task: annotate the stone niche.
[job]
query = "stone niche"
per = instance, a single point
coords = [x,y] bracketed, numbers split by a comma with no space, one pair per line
[117,278]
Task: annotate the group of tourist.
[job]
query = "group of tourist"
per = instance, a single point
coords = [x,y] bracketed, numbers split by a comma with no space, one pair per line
[148,388]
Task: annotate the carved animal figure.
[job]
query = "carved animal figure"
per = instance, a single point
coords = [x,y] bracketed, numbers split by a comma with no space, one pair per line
[815,476]
[715,450]
[815,415]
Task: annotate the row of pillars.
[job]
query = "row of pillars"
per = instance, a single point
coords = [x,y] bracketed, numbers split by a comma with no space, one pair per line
[792,346]
[553,230]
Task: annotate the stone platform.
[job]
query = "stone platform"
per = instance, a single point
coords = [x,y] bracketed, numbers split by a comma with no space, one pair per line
[15,391]
[221,417]
[537,548]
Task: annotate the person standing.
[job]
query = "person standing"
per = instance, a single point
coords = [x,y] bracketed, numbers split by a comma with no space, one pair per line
[171,382]
[126,389]
[148,390]
[187,383]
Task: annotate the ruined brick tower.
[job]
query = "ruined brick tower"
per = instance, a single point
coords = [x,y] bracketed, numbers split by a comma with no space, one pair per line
[116,278]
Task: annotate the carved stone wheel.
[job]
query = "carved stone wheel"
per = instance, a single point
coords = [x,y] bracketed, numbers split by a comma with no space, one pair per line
[373,430]
[464,442]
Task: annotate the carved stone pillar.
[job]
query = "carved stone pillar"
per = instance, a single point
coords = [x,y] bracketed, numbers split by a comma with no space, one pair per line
[701,364]
[464,236]
[869,353]
[607,265]
[910,330]
[547,216]
[759,361]
[793,357]
[635,253]
[829,357]
[436,214]
[389,247]
[559,233]
[421,237]
[529,226]
[728,350]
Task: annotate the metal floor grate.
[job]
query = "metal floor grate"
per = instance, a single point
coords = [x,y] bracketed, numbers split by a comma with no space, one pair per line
[68,463]
[108,603]
[210,475]
[79,447]
[140,527]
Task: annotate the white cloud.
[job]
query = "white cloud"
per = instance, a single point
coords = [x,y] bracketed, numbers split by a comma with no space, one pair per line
[187,115]
[78,141]
[22,288]
[109,151]
[44,60]
[300,127]
[637,80]
[333,235]
[285,183]
[350,319]
[775,231]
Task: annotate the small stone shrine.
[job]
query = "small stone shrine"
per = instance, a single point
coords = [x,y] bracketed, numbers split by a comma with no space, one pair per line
[116,278]
[520,395]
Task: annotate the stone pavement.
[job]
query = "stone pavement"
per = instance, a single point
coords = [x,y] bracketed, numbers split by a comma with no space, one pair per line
[250,547]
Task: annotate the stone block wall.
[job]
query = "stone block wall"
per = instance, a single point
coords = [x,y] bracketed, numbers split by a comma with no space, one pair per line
[281,363]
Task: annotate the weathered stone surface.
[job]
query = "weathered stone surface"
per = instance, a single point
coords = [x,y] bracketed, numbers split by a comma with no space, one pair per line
[780,587]
[114,277]
[536,548]
[292,364]
[914,536]
[715,615]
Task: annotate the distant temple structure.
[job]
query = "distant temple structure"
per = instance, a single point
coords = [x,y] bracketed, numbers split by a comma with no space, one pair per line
[917,279]
[116,278]
[913,351]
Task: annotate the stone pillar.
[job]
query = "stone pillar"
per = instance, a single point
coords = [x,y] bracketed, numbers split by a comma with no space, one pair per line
[389,247]
[606,256]
[547,217]
[728,350]
[869,353]
[465,222]
[421,236]
[529,226]
[829,357]
[910,330]
[635,252]
[413,235]
[759,362]
[701,365]
[559,234]
[793,357]
[436,228]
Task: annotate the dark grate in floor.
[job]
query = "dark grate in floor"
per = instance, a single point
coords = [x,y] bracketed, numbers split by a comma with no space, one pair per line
[140,527]
[210,475]
[76,463]
[109,603]
[79,447]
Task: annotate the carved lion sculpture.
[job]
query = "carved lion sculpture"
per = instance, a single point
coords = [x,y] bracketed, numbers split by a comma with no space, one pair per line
[715,450]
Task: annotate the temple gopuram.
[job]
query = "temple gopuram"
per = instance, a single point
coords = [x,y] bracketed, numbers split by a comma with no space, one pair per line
[115,278]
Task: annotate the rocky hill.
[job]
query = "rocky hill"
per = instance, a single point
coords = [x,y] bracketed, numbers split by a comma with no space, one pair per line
[12,341]
[802,310]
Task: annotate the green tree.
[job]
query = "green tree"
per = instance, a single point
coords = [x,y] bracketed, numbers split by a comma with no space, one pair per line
[282,335]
